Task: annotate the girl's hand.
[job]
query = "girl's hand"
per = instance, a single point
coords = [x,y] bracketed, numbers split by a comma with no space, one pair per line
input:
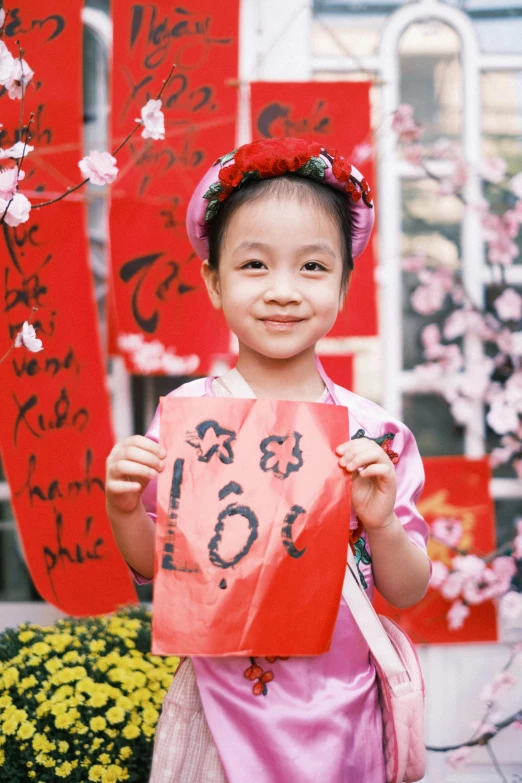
[374,486]
[130,466]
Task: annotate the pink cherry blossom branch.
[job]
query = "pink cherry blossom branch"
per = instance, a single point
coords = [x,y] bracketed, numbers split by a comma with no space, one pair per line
[118,148]
[483,739]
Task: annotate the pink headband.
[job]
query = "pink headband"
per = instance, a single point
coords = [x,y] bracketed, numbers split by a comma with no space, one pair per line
[274,158]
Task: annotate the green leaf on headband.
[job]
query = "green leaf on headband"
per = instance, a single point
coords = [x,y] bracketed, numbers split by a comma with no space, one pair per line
[214,190]
[225,159]
[314,169]
[212,209]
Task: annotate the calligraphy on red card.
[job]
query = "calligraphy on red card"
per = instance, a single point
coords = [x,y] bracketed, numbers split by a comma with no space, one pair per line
[165,323]
[55,430]
[338,115]
[253,526]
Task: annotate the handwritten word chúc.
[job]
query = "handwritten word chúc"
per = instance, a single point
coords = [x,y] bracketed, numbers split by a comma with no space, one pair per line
[38,423]
[276,120]
[187,33]
[76,554]
[56,487]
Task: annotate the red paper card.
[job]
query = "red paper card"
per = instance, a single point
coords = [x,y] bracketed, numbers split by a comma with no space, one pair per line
[253,526]
[337,114]
[456,488]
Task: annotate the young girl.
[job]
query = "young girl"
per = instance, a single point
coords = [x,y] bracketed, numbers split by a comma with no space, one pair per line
[277,224]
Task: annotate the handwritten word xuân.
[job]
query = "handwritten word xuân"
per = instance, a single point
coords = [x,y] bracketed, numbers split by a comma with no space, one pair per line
[38,423]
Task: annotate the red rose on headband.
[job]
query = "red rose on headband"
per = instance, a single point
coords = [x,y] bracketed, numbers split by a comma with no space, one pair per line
[341,169]
[230,176]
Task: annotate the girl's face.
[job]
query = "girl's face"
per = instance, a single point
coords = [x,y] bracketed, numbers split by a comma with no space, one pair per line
[279,278]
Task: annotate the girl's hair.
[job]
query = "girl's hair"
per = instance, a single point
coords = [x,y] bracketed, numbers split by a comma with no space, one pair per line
[331,201]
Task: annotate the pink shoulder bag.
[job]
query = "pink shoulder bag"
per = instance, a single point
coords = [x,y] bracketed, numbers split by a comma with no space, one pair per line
[401,686]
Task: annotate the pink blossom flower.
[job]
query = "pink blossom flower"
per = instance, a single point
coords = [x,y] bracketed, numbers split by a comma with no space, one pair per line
[20,77]
[462,410]
[153,120]
[504,569]
[453,585]
[362,152]
[429,296]
[517,547]
[99,167]
[493,169]
[9,179]
[413,153]
[2,18]
[502,683]
[502,250]
[456,615]
[515,344]
[458,757]
[511,605]
[509,305]
[501,417]
[517,465]
[449,531]
[511,221]
[28,338]
[469,565]
[404,124]
[482,727]
[6,63]
[481,588]
[16,151]
[428,376]
[454,183]
[430,337]
[515,185]
[17,211]
[439,573]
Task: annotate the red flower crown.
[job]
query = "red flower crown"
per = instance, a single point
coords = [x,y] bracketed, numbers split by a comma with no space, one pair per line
[275,157]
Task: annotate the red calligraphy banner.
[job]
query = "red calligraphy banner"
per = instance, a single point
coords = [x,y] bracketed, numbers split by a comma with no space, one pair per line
[55,430]
[165,323]
[336,114]
[456,489]
[253,526]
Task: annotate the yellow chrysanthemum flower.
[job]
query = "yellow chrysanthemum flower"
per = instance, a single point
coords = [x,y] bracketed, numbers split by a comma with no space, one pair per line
[64,770]
[96,773]
[98,723]
[115,715]
[125,752]
[63,746]
[150,716]
[2,757]
[25,731]
[98,699]
[26,636]
[40,648]
[131,731]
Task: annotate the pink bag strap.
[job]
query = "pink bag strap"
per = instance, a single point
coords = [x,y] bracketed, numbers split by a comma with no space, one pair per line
[372,629]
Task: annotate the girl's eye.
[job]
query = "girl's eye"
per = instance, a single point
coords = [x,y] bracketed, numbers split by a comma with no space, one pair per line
[253,265]
[314,266]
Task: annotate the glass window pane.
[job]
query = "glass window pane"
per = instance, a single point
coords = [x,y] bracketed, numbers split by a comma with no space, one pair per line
[429,418]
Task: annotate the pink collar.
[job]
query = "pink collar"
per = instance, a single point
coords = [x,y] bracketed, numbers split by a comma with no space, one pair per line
[209,391]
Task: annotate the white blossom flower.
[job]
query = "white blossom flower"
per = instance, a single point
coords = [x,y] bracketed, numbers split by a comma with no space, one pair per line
[456,616]
[99,167]
[28,338]
[153,119]
[7,62]
[18,210]
[18,150]
[449,531]
[509,305]
[9,179]
[511,605]
[502,417]
[2,17]
[20,77]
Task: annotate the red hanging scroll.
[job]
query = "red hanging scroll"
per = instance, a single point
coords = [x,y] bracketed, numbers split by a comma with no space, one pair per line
[456,488]
[165,322]
[55,429]
[338,115]
[253,526]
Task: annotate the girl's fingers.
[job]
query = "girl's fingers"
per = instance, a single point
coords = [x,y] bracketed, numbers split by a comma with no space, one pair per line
[134,470]
[118,487]
[364,456]
[139,456]
[371,471]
